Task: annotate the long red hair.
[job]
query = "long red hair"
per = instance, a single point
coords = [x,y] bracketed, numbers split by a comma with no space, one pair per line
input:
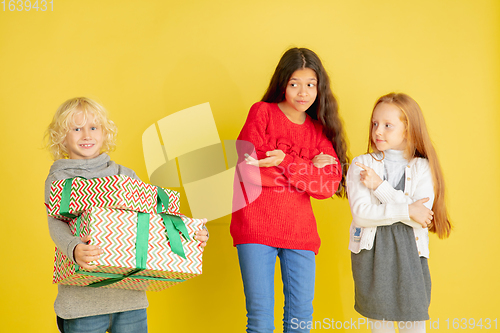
[419,145]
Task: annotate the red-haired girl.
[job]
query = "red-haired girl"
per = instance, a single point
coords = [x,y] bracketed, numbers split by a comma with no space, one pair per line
[396,195]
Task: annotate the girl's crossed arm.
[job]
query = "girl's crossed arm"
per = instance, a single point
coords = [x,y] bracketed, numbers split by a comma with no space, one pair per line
[252,145]
[319,177]
[393,205]
[316,177]
[419,201]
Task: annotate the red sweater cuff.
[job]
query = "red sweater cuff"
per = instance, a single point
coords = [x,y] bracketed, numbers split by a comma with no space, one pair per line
[286,161]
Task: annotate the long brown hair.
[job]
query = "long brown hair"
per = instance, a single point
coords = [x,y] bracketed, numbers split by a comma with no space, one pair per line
[324,108]
[419,145]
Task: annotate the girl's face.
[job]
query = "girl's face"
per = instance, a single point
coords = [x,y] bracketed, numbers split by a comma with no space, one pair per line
[301,90]
[388,131]
[84,142]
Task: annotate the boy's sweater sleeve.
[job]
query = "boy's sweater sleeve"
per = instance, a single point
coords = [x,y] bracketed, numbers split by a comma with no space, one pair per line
[59,230]
[320,183]
[62,237]
[364,212]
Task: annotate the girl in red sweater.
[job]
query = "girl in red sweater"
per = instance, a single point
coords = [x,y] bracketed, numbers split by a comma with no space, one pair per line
[295,138]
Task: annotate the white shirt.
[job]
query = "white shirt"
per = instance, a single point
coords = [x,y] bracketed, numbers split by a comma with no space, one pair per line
[394,166]
[385,205]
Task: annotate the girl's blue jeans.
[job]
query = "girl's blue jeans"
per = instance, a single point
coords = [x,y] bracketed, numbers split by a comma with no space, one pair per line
[257,264]
[134,321]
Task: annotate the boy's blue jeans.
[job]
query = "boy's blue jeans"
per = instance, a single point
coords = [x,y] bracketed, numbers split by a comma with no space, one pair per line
[134,321]
[257,264]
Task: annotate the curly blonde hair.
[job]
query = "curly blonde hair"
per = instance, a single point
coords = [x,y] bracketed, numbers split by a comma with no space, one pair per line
[64,120]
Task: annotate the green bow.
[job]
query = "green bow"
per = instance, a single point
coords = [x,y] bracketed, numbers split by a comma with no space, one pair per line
[173,225]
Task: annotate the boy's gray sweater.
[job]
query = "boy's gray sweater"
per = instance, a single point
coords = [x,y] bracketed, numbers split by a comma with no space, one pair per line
[73,301]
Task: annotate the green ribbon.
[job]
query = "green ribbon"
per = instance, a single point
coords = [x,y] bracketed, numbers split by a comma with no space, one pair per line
[113,278]
[110,278]
[142,241]
[162,197]
[173,225]
[65,197]
[78,222]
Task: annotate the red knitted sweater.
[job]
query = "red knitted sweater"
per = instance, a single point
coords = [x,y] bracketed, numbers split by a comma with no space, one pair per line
[281,216]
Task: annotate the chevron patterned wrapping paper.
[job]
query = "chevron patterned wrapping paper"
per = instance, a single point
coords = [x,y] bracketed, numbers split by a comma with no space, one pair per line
[117,191]
[115,231]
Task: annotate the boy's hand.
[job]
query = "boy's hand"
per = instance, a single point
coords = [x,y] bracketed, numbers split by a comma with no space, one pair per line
[84,254]
[202,235]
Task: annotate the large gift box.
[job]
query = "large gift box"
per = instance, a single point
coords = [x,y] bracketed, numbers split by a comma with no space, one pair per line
[70,197]
[141,251]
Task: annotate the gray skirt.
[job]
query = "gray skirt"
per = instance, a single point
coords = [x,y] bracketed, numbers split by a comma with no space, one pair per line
[392,282]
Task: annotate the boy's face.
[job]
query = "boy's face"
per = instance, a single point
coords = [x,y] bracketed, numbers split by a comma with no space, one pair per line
[84,142]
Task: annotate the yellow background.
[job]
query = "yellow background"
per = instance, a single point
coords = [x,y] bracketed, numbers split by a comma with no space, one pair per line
[144,60]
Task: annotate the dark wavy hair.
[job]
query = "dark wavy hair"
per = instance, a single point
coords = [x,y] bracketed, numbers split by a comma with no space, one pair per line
[324,108]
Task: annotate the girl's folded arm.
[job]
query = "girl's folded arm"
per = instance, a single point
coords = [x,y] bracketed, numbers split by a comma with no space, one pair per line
[320,183]
[423,189]
[365,213]
[393,206]
[252,141]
